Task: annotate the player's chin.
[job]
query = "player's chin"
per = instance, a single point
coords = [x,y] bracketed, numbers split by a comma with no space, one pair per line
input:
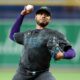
[43,24]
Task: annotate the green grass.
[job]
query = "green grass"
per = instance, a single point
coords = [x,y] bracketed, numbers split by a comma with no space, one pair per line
[67,76]
[59,73]
[66,73]
[6,74]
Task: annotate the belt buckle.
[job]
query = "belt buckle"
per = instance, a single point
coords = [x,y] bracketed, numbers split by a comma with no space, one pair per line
[33,72]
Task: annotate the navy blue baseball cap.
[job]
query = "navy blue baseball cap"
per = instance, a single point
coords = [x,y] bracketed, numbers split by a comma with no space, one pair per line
[44,9]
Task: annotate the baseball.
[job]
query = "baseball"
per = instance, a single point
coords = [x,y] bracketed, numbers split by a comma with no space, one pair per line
[29,7]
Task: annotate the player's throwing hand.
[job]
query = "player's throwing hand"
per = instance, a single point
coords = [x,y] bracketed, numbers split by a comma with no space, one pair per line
[27,9]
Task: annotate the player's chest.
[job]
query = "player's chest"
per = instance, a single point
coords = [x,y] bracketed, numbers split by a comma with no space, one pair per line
[35,40]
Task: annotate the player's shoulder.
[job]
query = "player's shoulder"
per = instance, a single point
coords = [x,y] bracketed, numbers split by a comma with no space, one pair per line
[54,32]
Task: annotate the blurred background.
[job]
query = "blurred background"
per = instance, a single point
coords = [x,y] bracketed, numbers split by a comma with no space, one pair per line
[65,18]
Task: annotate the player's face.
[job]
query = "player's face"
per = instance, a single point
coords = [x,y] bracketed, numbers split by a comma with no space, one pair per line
[42,19]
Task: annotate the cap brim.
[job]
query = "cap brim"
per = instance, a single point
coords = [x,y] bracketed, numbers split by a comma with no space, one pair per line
[43,10]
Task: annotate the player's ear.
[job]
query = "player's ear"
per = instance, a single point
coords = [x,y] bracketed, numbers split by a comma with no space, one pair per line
[50,18]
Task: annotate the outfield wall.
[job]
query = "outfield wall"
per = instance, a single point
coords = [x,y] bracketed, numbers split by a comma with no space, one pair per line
[69,24]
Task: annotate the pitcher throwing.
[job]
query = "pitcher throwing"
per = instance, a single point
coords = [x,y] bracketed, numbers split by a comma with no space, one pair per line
[40,45]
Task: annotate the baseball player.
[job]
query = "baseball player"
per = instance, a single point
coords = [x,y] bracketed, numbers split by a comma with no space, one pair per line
[40,45]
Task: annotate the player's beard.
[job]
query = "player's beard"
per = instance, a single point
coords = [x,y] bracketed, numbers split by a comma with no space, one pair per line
[42,24]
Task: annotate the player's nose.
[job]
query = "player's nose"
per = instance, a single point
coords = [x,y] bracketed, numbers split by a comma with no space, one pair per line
[43,15]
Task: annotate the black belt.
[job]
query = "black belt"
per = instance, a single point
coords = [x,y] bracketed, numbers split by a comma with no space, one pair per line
[28,72]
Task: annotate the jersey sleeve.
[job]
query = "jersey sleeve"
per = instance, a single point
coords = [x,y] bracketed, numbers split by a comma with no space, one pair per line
[19,37]
[64,44]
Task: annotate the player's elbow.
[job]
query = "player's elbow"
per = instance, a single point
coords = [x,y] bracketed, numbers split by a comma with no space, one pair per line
[73,55]
[69,54]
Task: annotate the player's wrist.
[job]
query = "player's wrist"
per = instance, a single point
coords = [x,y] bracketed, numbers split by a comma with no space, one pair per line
[58,53]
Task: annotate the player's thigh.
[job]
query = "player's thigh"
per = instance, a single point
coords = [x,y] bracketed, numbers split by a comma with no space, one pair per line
[45,76]
[19,77]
